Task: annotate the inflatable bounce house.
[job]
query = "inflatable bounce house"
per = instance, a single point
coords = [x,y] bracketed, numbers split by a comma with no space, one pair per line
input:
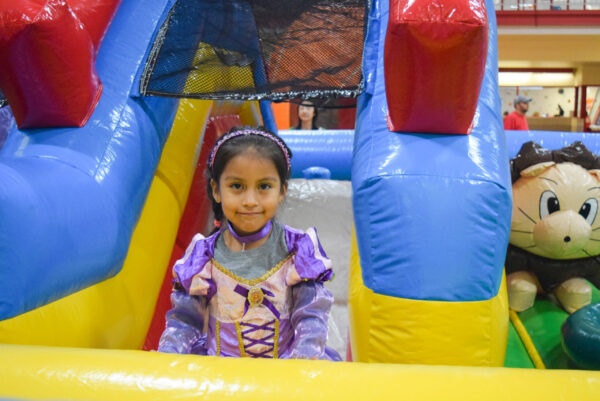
[112,109]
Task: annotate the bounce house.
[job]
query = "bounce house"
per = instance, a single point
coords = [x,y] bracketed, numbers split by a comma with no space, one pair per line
[102,150]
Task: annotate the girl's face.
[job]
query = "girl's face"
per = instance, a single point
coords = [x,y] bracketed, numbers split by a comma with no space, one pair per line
[249,191]
[306,112]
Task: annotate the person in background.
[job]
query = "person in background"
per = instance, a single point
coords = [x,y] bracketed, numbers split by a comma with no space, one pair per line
[516,120]
[307,115]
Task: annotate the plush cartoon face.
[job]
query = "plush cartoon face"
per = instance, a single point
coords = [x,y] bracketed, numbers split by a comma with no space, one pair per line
[555,211]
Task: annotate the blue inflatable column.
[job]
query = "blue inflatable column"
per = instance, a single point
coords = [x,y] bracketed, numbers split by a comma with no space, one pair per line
[71,197]
[432,215]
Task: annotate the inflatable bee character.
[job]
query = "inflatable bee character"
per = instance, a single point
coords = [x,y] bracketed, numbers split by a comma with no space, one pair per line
[555,233]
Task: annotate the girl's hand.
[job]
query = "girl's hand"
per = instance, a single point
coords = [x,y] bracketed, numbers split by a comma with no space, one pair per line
[310,358]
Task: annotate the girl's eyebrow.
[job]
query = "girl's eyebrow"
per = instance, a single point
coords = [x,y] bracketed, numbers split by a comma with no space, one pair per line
[232,177]
[548,179]
[236,178]
[589,189]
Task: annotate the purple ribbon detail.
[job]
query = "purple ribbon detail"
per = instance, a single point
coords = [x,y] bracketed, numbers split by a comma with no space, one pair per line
[245,291]
[252,237]
[252,341]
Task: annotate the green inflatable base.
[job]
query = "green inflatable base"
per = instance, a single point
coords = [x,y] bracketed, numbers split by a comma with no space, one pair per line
[543,323]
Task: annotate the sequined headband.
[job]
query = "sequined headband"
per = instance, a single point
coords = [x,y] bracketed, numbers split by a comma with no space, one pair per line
[225,138]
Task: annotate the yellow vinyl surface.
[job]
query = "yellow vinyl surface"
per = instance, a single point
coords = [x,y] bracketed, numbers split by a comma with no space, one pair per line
[397,330]
[46,373]
[180,155]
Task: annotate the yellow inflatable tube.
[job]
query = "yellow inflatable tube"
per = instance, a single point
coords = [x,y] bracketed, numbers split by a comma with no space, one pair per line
[180,155]
[43,373]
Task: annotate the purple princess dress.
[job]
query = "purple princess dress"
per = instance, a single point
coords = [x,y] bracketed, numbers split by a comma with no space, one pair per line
[282,314]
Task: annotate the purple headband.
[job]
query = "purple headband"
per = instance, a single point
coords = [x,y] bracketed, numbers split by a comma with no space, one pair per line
[225,138]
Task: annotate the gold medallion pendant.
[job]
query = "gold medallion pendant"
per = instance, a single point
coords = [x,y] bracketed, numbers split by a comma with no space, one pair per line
[255,296]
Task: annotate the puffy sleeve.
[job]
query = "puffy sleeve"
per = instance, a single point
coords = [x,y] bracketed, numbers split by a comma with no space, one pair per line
[193,272]
[311,303]
[183,333]
[193,287]
[310,260]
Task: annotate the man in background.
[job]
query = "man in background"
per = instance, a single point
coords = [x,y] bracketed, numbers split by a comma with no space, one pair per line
[516,120]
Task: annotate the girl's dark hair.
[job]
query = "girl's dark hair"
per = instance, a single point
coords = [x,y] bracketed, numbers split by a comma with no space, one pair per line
[315,115]
[264,146]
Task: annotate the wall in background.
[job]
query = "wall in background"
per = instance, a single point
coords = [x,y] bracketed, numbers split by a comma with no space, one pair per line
[545,99]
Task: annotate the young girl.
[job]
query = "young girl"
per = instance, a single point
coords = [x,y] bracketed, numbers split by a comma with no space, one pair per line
[255,287]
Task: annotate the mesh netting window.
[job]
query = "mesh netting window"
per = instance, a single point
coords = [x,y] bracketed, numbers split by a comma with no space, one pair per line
[258,49]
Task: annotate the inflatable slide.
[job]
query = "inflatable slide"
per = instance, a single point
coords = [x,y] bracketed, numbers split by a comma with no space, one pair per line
[90,219]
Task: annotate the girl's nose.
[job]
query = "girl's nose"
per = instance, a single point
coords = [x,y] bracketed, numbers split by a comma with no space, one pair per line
[250,198]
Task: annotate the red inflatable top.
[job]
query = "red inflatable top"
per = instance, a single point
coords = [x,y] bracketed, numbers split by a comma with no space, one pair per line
[48,51]
[434,60]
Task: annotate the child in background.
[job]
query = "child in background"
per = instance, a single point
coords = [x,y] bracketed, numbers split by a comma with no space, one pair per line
[254,287]
[307,116]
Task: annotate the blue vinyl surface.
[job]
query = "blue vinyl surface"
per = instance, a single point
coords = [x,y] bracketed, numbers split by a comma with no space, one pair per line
[432,212]
[70,197]
[330,149]
[7,122]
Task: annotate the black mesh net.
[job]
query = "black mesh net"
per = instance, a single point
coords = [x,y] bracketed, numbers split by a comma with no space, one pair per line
[258,49]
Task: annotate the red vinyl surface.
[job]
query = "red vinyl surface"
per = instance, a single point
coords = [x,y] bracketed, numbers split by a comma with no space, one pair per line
[48,51]
[434,60]
[194,220]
